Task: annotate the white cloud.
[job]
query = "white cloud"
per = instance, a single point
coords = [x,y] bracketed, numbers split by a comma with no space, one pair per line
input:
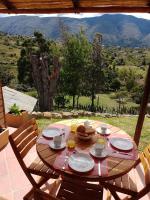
[140,15]
[82,15]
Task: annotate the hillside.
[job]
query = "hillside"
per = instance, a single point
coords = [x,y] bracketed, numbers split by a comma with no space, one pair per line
[122,30]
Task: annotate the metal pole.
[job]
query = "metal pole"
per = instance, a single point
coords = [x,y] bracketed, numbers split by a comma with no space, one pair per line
[143,108]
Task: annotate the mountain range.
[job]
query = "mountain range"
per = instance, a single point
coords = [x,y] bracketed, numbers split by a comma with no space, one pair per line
[117,29]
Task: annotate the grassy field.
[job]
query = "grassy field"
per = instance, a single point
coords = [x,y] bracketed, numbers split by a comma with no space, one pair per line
[105,100]
[128,124]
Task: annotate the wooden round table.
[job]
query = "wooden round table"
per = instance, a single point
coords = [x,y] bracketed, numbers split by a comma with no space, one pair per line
[116,164]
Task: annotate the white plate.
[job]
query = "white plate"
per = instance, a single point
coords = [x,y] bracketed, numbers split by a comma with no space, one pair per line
[81,162]
[52,145]
[121,143]
[103,154]
[98,130]
[51,132]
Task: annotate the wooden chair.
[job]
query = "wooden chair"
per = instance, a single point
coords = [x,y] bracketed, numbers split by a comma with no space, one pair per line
[4,133]
[2,109]
[76,189]
[72,191]
[130,183]
[40,195]
[22,141]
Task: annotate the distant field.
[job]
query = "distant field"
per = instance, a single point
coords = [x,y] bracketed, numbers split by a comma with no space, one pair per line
[128,124]
[105,100]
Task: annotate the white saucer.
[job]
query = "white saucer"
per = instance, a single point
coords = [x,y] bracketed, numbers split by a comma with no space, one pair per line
[103,154]
[51,132]
[99,130]
[51,144]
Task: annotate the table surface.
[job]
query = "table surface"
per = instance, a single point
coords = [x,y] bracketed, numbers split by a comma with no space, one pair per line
[113,166]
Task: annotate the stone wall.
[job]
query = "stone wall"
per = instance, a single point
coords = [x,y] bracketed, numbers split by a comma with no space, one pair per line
[74,114]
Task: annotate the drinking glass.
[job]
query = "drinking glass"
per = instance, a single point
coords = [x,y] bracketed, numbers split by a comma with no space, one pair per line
[74,126]
[71,143]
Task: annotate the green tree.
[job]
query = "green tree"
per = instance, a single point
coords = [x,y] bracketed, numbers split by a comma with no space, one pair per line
[24,68]
[94,73]
[112,82]
[121,97]
[137,93]
[129,78]
[76,57]
[6,75]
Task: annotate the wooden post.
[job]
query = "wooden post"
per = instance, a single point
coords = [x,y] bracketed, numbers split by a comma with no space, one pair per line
[2,108]
[143,108]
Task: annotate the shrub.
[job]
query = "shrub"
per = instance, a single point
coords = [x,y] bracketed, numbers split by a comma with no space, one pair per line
[14,109]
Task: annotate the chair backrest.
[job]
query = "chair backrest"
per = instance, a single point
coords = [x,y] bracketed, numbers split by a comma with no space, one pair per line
[145,160]
[40,195]
[22,140]
[2,109]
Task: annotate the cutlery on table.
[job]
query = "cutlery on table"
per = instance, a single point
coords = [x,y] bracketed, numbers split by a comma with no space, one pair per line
[65,162]
[99,169]
[66,159]
[123,153]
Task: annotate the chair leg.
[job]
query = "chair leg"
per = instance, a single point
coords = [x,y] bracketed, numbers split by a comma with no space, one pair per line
[29,195]
[115,195]
[42,181]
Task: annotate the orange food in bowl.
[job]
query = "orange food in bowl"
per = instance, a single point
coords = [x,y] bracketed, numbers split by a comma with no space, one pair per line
[84,133]
[81,129]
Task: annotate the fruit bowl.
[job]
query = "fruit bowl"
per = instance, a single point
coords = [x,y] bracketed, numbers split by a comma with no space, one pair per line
[83,137]
[85,134]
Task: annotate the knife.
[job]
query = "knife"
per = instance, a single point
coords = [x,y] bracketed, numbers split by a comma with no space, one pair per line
[99,168]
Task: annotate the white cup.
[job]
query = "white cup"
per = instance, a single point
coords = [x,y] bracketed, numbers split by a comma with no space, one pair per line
[87,124]
[99,148]
[104,128]
[57,141]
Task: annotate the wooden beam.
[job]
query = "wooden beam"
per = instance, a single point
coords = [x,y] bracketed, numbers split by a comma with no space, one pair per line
[8,4]
[76,5]
[143,108]
[110,9]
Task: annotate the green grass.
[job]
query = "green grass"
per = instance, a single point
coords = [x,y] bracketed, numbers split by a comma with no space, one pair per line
[105,100]
[127,124]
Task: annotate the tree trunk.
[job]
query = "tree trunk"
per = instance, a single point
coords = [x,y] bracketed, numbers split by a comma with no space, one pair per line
[78,101]
[92,104]
[92,97]
[73,101]
[45,84]
[98,101]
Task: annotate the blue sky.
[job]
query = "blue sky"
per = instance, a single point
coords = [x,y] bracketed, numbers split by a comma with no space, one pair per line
[83,15]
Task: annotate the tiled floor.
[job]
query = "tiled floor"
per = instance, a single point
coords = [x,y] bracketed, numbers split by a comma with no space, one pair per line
[13,183]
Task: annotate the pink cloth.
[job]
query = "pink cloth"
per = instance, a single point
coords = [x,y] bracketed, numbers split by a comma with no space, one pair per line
[62,156]
[130,155]
[62,126]
[96,171]
[44,140]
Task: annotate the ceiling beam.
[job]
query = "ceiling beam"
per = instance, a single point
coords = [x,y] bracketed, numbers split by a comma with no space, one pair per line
[8,4]
[76,5]
[110,9]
